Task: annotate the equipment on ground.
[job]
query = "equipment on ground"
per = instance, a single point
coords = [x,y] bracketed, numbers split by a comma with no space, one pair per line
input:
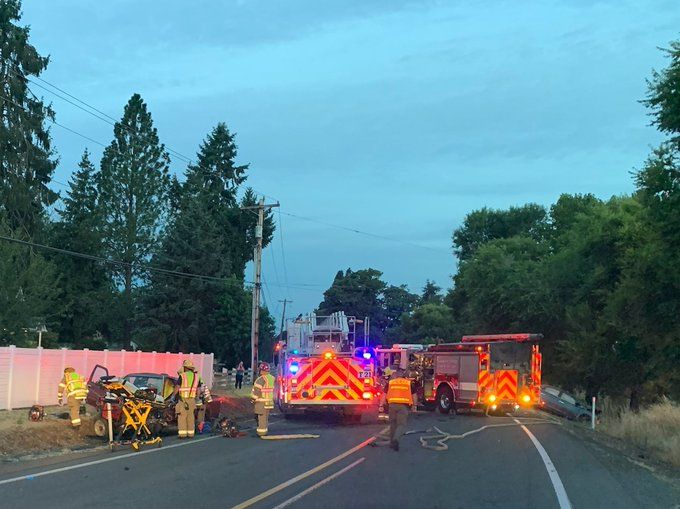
[36,413]
[228,428]
[321,369]
[492,372]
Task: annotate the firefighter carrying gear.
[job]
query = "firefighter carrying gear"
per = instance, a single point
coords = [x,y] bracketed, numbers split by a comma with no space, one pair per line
[399,391]
[189,383]
[263,398]
[400,400]
[72,386]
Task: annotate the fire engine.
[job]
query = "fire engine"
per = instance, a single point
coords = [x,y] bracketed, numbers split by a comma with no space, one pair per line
[320,368]
[493,372]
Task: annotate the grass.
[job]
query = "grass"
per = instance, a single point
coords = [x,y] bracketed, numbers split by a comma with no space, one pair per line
[655,429]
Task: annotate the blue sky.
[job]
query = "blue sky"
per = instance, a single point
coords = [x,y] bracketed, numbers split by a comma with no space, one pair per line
[395,117]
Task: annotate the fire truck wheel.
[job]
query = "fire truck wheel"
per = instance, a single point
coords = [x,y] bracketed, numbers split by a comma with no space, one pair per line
[445,400]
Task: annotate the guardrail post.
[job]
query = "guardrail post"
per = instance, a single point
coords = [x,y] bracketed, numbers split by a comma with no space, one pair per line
[592,414]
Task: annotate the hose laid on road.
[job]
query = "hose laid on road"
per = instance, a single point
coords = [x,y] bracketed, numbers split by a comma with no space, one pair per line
[288,437]
[442,437]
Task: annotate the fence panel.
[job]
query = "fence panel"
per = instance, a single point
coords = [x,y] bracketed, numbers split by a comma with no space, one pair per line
[32,375]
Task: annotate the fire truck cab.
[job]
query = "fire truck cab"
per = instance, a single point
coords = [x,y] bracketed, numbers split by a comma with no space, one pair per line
[492,372]
[321,369]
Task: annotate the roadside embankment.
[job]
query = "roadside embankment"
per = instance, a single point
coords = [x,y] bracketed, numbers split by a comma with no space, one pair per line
[19,437]
[654,429]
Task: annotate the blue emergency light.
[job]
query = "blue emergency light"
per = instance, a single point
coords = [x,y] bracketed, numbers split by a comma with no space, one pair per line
[367,355]
[294,367]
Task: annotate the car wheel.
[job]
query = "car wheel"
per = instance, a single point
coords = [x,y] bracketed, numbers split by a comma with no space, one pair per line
[101,428]
[445,400]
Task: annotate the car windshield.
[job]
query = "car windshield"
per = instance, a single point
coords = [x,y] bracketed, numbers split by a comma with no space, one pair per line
[568,398]
[147,381]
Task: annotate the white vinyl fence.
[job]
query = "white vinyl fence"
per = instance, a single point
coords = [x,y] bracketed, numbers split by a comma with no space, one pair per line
[31,375]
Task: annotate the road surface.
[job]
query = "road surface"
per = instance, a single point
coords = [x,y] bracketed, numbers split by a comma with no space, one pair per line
[499,466]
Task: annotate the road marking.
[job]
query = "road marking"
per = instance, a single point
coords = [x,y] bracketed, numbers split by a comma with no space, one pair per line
[319,484]
[561,493]
[290,482]
[112,458]
[104,460]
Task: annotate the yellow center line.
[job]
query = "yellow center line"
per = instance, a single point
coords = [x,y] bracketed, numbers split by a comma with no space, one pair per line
[304,475]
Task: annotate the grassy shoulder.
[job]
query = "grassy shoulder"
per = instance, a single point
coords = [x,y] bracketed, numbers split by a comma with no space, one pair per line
[654,429]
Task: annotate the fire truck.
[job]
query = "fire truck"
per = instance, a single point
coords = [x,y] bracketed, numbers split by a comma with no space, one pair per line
[321,369]
[499,372]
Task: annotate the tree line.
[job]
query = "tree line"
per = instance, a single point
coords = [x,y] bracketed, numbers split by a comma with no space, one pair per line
[599,278]
[144,233]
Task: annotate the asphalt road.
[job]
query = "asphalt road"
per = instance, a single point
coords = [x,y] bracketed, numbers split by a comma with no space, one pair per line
[500,466]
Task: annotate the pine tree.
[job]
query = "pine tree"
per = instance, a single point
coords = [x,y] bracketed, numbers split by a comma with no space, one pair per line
[133,194]
[26,156]
[87,287]
[207,235]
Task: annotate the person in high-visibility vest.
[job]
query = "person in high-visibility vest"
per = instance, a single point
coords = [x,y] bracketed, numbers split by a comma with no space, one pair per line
[189,383]
[400,400]
[72,386]
[263,398]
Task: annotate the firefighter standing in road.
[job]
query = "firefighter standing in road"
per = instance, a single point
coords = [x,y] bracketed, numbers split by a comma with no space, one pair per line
[263,397]
[189,382]
[73,386]
[400,401]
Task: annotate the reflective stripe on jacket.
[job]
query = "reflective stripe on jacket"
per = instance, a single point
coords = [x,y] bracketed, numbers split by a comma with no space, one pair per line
[72,384]
[188,384]
[263,390]
[399,391]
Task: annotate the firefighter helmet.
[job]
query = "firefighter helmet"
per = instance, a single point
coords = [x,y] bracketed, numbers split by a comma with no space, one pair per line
[187,364]
[264,366]
[69,370]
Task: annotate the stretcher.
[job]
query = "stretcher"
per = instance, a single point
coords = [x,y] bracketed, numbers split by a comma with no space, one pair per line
[138,408]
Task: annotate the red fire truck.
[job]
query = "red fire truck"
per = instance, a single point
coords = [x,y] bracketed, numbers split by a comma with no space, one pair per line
[321,369]
[491,372]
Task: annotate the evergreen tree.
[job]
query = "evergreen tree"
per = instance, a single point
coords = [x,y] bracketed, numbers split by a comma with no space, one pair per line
[133,188]
[208,235]
[88,291]
[26,156]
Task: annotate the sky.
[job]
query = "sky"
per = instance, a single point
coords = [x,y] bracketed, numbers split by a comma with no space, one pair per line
[393,117]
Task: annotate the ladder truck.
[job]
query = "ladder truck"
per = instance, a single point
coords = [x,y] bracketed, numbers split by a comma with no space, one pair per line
[321,369]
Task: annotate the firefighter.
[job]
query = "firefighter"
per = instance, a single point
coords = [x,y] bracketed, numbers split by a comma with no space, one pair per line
[73,385]
[202,403]
[263,398]
[189,383]
[400,401]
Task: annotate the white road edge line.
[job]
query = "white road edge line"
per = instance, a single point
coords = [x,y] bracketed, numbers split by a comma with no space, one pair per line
[112,458]
[561,493]
[312,471]
[103,460]
[319,484]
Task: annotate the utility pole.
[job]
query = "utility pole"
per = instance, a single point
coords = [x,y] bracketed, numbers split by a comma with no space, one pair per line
[257,261]
[283,316]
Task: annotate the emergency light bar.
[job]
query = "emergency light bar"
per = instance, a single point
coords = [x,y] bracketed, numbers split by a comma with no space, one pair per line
[493,338]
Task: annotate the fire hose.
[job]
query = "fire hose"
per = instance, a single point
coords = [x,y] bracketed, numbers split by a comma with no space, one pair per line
[441,437]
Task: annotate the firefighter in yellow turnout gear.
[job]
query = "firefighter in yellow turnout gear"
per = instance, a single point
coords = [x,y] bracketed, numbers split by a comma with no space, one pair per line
[72,386]
[189,383]
[263,398]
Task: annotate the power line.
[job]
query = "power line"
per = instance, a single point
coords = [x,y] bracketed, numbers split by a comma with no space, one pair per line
[283,252]
[98,114]
[361,232]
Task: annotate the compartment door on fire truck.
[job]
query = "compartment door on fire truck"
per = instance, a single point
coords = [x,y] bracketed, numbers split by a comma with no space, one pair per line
[469,368]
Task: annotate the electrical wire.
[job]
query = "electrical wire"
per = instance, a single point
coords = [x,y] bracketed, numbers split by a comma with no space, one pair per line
[361,232]
[98,114]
